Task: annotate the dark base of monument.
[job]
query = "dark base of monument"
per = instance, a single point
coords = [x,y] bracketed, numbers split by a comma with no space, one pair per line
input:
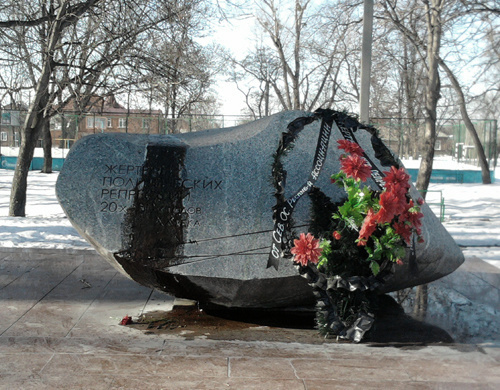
[228,293]
[391,327]
[391,324]
[292,318]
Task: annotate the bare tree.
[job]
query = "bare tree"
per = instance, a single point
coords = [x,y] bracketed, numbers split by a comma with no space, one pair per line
[488,101]
[439,16]
[485,169]
[270,20]
[397,86]
[72,50]
[300,56]
[433,14]
[263,67]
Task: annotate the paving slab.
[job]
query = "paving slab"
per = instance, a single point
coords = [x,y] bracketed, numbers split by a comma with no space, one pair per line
[57,332]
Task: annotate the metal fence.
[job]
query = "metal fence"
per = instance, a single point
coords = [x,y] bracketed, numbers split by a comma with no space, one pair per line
[404,137]
[400,134]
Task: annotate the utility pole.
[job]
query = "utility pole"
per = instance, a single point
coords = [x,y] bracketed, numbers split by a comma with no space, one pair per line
[366,62]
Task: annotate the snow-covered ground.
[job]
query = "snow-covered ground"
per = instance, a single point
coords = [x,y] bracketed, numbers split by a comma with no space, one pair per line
[11,151]
[45,224]
[472,216]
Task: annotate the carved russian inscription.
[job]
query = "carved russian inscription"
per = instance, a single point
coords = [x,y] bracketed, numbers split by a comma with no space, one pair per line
[119,188]
[119,183]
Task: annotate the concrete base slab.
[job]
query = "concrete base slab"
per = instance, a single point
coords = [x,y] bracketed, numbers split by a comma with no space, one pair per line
[57,331]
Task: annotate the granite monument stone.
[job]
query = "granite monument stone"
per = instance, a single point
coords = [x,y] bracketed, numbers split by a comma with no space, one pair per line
[192,214]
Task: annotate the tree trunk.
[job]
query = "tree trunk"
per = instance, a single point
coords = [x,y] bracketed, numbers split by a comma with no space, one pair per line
[17,206]
[35,121]
[425,170]
[266,99]
[483,162]
[47,148]
[432,92]
[420,308]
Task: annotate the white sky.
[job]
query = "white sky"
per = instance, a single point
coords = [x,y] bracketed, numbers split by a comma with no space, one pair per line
[237,36]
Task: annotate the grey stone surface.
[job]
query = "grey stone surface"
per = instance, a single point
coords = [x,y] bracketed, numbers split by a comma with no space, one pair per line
[191,214]
[466,303]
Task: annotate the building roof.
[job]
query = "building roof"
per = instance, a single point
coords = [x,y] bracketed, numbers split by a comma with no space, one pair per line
[109,106]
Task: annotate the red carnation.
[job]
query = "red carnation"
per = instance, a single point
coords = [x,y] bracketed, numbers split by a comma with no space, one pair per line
[350,147]
[356,167]
[404,230]
[306,249]
[397,180]
[367,229]
[414,218]
[389,207]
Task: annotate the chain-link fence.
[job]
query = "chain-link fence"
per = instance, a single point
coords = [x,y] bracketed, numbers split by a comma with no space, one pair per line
[67,128]
[191,123]
[405,138]
[402,135]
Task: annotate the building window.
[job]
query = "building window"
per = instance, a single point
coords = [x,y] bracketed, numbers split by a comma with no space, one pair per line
[3,136]
[146,123]
[437,145]
[6,118]
[99,123]
[110,123]
[122,123]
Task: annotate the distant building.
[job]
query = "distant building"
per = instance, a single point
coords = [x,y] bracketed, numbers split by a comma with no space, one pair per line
[11,119]
[105,115]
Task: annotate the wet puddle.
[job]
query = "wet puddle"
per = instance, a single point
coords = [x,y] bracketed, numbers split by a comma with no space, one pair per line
[190,322]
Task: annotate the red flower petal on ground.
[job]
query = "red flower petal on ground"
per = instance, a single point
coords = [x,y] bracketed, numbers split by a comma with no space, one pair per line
[306,249]
[368,227]
[126,320]
[356,167]
[350,147]
[336,235]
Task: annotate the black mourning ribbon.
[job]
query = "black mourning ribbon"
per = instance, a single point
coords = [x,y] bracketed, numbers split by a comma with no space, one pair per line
[282,212]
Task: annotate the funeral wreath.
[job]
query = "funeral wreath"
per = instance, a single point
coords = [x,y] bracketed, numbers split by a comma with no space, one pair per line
[353,245]
[355,249]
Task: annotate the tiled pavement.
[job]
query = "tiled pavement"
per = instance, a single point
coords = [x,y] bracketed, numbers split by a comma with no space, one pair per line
[59,314]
